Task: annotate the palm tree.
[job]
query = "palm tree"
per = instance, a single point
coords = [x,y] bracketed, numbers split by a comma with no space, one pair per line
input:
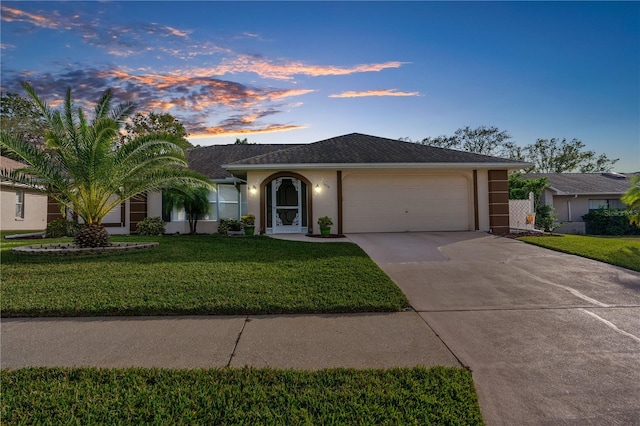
[632,199]
[85,168]
[193,200]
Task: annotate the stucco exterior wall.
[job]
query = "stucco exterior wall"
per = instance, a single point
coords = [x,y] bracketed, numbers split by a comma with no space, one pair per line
[35,210]
[154,204]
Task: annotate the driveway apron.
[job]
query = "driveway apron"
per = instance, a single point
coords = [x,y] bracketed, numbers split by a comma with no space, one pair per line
[551,338]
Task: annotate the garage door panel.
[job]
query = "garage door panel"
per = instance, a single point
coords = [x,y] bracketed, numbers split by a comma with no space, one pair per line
[372,203]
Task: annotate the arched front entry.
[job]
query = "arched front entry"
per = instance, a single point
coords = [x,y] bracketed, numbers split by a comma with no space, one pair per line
[286,204]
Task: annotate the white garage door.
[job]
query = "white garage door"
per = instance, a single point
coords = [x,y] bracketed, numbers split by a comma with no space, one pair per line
[400,203]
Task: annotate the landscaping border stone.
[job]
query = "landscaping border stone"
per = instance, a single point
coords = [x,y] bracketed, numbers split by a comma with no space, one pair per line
[70,249]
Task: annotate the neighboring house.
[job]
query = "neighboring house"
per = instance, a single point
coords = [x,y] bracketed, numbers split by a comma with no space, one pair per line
[365,184]
[573,195]
[21,208]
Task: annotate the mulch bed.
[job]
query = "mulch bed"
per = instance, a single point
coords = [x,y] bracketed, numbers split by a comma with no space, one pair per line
[530,234]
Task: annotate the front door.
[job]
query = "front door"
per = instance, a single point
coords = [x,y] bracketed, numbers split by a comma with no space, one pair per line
[286,196]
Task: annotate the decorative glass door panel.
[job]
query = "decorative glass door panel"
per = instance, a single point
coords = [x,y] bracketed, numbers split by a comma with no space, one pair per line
[286,205]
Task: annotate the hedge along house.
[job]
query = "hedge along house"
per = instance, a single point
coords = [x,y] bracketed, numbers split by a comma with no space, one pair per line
[372,184]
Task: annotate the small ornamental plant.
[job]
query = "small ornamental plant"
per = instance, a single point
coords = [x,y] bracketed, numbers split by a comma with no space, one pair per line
[325,222]
[248,220]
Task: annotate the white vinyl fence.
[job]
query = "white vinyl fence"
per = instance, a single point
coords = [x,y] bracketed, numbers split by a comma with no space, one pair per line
[522,214]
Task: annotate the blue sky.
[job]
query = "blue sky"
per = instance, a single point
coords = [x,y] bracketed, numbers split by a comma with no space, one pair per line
[297,72]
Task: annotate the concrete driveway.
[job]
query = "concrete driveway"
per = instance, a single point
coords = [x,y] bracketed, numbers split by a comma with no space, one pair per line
[551,338]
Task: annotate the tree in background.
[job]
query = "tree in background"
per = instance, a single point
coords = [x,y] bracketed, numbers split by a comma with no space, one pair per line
[152,123]
[244,141]
[481,140]
[560,156]
[193,200]
[632,199]
[21,119]
[546,155]
[86,168]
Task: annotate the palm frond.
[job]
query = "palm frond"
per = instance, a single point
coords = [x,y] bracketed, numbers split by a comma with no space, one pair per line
[122,112]
[103,105]
[41,104]
[38,165]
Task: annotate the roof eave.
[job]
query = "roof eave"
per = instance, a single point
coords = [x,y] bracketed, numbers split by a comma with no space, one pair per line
[571,194]
[343,166]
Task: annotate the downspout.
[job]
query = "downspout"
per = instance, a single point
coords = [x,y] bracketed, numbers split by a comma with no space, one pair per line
[236,185]
[569,207]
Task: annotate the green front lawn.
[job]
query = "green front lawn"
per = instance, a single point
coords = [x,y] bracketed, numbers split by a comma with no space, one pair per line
[200,274]
[620,251]
[239,396]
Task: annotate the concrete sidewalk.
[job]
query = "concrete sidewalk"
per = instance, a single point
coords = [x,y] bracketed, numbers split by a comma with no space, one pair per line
[312,342]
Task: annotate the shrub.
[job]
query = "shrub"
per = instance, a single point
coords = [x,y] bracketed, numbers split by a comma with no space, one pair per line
[151,226]
[545,218]
[229,225]
[248,220]
[609,222]
[61,228]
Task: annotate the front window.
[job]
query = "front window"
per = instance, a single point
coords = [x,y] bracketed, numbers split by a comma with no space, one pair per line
[228,206]
[227,202]
[606,204]
[20,204]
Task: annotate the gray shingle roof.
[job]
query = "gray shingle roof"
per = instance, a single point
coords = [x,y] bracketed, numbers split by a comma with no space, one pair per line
[9,164]
[584,183]
[208,160]
[356,148]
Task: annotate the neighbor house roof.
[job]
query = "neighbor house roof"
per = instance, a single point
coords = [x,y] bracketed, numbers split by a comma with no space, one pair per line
[585,183]
[356,149]
[9,164]
[208,160]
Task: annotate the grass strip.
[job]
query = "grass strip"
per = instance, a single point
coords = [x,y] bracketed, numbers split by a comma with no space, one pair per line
[444,396]
[619,251]
[201,274]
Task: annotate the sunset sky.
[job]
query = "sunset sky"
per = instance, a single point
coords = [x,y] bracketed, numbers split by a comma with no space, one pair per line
[298,72]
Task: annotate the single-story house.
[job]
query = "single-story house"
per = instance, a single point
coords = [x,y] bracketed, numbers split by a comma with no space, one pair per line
[364,183]
[21,208]
[573,195]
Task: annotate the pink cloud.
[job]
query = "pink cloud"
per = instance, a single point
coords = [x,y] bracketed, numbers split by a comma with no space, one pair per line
[385,92]
[9,14]
[285,70]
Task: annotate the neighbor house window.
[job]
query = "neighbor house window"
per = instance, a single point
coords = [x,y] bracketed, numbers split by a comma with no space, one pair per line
[20,204]
[606,204]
